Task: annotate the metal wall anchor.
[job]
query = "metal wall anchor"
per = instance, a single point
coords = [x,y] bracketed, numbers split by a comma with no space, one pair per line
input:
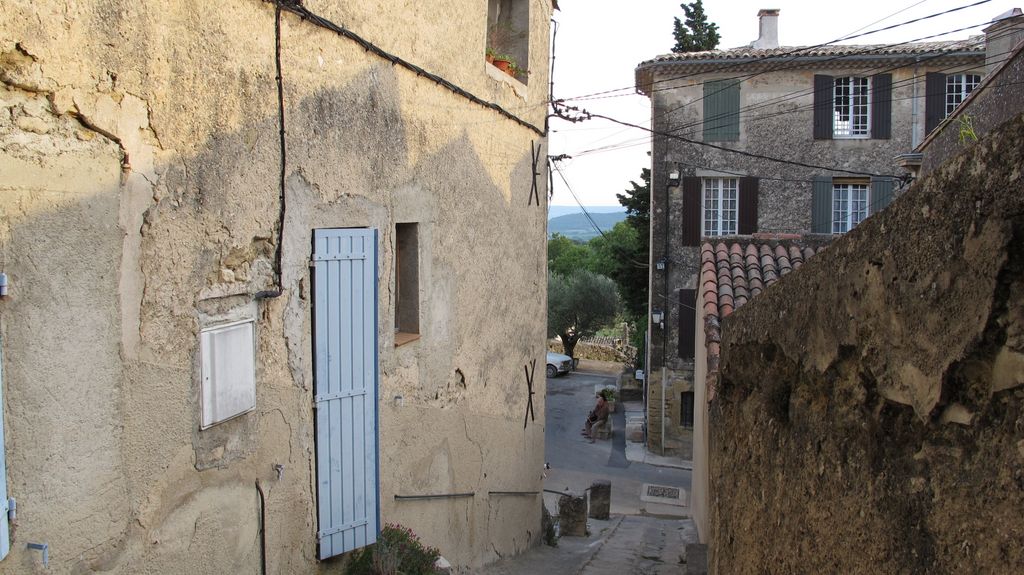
[45,548]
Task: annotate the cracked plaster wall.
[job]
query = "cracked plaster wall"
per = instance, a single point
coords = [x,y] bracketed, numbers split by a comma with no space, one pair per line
[140,198]
[870,413]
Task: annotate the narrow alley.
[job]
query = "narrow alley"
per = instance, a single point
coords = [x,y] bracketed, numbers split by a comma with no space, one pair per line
[644,533]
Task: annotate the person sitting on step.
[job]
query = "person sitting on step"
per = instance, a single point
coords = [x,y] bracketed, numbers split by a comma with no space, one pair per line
[597,415]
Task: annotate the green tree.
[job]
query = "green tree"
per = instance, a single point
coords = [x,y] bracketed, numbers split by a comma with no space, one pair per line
[565,255]
[696,33]
[620,254]
[632,278]
[579,304]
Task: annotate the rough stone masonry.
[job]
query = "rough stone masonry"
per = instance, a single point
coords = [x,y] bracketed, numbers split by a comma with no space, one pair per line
[870,416]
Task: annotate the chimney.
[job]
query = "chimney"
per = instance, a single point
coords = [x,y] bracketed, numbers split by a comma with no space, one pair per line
[1002,36]
[768,28]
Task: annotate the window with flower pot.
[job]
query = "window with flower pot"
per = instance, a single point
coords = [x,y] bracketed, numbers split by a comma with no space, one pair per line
[508,37]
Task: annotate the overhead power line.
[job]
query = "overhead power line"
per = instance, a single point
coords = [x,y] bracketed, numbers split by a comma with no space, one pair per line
[795,52]
[585,115]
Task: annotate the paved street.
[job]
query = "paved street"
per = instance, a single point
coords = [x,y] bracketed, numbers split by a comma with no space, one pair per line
[575,463]
[642,535]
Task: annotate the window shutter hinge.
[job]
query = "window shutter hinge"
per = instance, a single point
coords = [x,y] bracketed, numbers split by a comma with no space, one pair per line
[12,509]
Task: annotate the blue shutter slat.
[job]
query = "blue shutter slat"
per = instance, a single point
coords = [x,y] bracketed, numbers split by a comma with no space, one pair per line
[346,370]
[5,528]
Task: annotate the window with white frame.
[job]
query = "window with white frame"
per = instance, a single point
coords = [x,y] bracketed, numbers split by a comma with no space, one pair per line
[958,86]
[721,206]
[849,206]
[851,107]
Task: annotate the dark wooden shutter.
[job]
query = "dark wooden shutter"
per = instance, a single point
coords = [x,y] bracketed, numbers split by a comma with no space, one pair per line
[748,206]
[881,106]
[881,194]
[821,205]
[691,211]
[721,111]
[687,323]
[934,100]
[823,86]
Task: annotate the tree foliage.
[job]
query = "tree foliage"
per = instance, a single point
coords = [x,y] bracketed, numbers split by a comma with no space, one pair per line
[579,304]
[566,255]
[696,33]
[632,279]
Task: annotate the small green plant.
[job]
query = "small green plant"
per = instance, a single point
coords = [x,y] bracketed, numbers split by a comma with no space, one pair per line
[516,71]
[398,551]
[967,133]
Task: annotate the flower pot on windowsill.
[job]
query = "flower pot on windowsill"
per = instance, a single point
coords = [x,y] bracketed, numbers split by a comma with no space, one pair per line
[503,65]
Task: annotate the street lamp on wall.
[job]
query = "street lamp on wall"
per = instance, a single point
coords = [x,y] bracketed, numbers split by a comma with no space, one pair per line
[657,316]
[673,176]
[660,264]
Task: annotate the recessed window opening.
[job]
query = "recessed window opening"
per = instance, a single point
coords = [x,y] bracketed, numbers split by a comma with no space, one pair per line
[686,409]
[851,108]
[407,283]
[508,34]
[721,201]
[849,206]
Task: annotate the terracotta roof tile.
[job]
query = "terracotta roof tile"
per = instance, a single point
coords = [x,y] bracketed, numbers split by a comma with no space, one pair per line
[736,270]
[861,51]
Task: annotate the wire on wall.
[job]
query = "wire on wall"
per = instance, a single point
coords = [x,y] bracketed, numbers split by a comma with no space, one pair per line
[296,7]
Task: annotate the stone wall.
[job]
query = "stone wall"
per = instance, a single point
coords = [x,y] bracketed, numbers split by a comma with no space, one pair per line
[870,413]
[141,195]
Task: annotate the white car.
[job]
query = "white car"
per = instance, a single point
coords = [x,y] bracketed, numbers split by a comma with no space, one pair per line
[558,364]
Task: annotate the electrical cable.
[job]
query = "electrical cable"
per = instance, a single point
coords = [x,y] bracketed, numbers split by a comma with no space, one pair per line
[746,112]
[296,7]
[610,243]
[588,115]
[791,52]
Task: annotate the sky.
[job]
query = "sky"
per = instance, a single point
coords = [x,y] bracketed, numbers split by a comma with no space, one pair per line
[600,42]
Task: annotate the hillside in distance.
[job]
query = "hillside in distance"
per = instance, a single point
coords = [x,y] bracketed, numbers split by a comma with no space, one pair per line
[577,227]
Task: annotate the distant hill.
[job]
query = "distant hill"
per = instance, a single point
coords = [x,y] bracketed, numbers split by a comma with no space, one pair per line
[578,227]
[555,211]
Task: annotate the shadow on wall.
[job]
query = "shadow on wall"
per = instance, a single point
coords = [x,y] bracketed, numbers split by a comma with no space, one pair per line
[116,437]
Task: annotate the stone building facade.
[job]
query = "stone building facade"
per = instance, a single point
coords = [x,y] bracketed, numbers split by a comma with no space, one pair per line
[212,215]
[836,115]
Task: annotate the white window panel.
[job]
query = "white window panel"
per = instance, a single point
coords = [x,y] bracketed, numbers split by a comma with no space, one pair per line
[849,206]
[851,110]
[228,365]
[721,206]
[958,86]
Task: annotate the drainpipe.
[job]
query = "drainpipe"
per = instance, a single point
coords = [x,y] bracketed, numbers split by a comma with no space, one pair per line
[914,140]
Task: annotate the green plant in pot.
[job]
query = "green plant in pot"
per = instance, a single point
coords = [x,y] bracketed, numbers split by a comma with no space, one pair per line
[517,72]
[505,63]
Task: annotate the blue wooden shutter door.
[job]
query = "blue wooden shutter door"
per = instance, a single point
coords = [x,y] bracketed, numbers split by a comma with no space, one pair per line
[5,528]
[345,335]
